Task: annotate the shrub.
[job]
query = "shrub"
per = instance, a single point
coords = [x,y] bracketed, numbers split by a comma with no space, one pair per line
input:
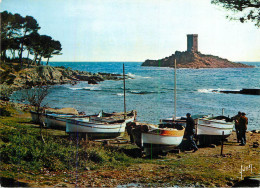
[5,92]
[4,112]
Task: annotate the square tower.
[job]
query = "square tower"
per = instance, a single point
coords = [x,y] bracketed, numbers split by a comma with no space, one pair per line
[192,42]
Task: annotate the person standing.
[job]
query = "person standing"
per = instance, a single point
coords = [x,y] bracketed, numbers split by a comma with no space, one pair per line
[236,118]
[190,129]
[243,121]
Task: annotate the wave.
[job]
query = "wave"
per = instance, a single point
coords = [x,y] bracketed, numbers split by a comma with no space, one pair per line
[215,90]
[86,88]
[145,92]
[137,76]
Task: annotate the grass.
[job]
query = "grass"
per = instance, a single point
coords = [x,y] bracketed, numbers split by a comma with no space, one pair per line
[23,150]
[64,161]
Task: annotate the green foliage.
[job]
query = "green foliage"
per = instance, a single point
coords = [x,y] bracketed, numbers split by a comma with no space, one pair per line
[22,146]
[20,33]
[5,92]
[243,10]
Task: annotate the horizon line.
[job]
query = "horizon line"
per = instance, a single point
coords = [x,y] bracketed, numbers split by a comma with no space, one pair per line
[257,61]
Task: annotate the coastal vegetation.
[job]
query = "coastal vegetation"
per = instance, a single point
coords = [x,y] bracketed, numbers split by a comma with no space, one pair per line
[246,10]
[20,34]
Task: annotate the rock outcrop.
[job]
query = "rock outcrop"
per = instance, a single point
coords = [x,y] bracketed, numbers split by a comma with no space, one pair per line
[195,60]
[52,75]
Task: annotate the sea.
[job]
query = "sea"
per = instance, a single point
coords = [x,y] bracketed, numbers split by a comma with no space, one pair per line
[151,91]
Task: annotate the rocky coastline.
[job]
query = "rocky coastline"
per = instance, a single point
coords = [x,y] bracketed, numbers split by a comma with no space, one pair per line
[194,60]
[49,75]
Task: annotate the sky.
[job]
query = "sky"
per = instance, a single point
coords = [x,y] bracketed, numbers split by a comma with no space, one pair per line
[136,30]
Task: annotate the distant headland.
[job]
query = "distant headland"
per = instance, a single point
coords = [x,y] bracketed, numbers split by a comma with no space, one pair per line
[192,58]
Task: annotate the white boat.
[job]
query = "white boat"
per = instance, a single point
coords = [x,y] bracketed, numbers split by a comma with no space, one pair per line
[155,140]
[59,120]
[96,127]
[211,129]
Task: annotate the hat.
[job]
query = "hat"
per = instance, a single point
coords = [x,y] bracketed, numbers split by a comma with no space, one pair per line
[243,113]
[188,114]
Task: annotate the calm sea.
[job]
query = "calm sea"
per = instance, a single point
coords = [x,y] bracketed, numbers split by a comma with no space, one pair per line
[151,92]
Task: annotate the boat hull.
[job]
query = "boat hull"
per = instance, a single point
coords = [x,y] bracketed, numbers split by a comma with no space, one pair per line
[154,140]
[211,127]
[37,117]
[159,144]
[55,122]
[96,130]
[213,131]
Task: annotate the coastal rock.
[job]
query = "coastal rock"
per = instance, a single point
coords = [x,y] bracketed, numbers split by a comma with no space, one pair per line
[195,60]
[34,76]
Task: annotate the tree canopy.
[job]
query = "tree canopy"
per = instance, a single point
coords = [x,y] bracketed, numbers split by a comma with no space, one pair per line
[243,10]
[19,34]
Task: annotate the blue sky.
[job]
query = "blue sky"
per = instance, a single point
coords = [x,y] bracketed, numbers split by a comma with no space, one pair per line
[136,30]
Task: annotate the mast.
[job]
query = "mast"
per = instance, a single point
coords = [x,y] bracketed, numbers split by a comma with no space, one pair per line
[124,91]
[175,87]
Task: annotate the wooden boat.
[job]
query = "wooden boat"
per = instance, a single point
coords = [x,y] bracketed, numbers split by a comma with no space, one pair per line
[41,117]
[59,120]
[177,120]
[212,129]
[37,117]
[157,140]
[96,127]
[129,116]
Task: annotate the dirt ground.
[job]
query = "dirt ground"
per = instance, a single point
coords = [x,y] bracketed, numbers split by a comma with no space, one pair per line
[204,168]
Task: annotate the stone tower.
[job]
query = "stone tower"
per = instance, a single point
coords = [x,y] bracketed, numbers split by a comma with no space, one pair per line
[192,42]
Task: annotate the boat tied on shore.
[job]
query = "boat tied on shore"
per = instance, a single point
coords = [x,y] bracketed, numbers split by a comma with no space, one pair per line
[153,139]
[96,127]
[211,129]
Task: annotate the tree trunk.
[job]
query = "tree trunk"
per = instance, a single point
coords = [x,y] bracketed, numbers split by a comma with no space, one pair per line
[21,50]
[35,58]
[3,57]
[28,63]
[39,121]
[48,61]
[13,53]
[39,62]
[21,54]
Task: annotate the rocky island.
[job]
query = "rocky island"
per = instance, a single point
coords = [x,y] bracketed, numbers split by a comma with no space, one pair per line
[192,58]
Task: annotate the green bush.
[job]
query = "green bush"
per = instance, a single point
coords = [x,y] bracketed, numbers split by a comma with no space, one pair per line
[4,112]
[5,92]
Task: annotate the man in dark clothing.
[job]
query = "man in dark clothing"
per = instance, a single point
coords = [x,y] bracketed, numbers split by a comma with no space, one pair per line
[190,127]
[129,128]
[236,118]
[243,121]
